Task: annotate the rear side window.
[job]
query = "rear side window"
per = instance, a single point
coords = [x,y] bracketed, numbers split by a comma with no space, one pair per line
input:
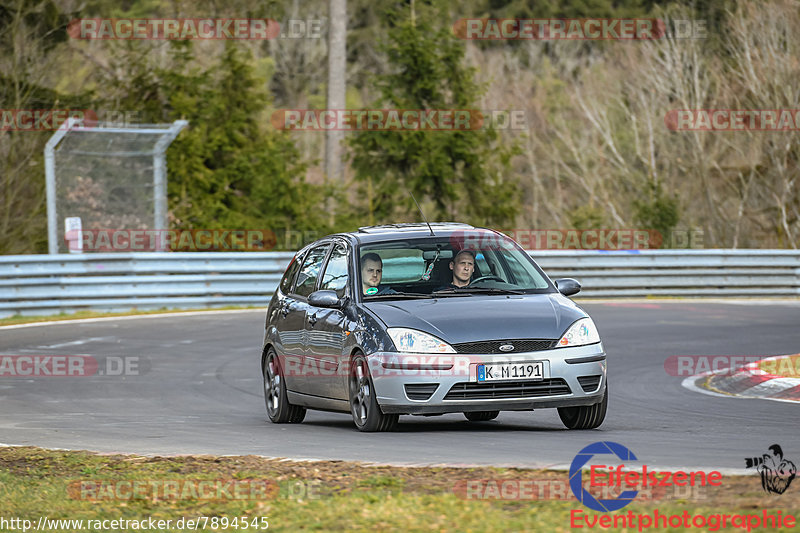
[335,277]
[402,265]
[307,278]
[288,276]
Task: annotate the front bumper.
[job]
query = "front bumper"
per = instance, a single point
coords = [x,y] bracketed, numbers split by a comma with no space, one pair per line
[453,380]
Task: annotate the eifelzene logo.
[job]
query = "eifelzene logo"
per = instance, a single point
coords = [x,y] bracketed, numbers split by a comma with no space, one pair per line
[776,472]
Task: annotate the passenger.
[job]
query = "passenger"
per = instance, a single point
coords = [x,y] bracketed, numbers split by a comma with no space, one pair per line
[371,274]
[463,266]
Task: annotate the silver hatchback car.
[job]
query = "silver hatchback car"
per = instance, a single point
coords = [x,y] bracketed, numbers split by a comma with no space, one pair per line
[416,319]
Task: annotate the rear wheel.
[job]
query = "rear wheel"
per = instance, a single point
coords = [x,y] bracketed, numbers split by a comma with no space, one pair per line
[481,416]
[364,407]
[279,410]
[585,416]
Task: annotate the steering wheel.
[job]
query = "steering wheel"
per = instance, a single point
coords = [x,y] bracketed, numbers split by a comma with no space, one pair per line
[490,276]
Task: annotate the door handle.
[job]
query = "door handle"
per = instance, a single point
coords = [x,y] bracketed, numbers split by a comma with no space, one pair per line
[312,319]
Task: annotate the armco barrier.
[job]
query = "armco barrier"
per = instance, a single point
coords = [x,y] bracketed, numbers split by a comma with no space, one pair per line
[48,284]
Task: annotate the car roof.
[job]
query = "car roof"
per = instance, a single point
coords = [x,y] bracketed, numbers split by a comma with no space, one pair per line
[398,232]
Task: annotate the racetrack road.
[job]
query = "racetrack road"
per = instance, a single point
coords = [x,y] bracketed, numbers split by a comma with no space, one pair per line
[199,391]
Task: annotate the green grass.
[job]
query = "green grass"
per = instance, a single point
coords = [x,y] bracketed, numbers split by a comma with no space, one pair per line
[321,496]
[19,319]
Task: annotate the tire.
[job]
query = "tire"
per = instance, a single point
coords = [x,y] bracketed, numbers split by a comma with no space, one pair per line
[585,416]
[481,416]
[367,414]
[279,410]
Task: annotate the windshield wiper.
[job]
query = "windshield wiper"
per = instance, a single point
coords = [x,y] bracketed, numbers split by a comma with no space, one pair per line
[408,295]
[488,290]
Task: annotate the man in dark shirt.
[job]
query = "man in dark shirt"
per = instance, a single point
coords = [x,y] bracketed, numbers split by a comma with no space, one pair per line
[463,266]
[371,274]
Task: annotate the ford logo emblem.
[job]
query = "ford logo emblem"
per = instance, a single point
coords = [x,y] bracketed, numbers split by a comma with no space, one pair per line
[507,347]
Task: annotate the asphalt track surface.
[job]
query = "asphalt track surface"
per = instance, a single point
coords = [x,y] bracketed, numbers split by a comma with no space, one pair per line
[199,391]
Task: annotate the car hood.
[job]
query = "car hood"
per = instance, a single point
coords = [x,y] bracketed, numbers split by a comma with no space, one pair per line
[482,317]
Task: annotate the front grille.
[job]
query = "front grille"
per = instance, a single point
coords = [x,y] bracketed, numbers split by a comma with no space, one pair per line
[589,383]
[420,391]
[507,389]
[520,345]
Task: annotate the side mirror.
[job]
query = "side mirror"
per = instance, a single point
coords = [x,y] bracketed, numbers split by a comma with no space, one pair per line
[325,298]
[568,286]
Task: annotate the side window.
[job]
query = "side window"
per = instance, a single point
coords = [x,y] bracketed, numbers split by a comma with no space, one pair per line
[522,275]
[482,266]
[402,266]
[307,278]
[288,276]
[335,277]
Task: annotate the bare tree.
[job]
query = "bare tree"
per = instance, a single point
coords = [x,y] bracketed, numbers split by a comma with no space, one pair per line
[29,40]
[337,77]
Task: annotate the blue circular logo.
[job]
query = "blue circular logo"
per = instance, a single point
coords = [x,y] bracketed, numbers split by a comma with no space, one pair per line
[576,482]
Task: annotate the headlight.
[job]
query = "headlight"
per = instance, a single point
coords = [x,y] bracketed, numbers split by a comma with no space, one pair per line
[411,340]
[580,333]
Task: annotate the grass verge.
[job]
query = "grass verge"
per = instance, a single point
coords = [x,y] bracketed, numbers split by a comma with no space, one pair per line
[323,496]
[19,319]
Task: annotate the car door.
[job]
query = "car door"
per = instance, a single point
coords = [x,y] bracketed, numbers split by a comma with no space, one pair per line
[325,328]
[306,380]
[288,323]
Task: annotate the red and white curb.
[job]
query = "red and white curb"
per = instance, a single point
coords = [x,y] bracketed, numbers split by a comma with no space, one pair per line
[747,381]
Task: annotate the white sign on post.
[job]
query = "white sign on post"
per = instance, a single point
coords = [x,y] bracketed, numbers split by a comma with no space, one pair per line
[72,234]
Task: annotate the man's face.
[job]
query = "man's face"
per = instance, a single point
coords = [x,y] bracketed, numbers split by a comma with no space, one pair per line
[371,272]
[462,266]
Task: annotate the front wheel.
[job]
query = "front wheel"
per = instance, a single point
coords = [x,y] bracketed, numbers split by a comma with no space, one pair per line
[585,416]
[364,407]
[279,410]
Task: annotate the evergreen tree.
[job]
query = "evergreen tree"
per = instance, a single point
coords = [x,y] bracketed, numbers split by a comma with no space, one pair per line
[463,173]
[229,169]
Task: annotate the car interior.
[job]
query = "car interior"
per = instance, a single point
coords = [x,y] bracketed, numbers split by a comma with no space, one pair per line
[440,273]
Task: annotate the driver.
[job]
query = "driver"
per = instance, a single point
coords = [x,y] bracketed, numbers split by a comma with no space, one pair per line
[463,266]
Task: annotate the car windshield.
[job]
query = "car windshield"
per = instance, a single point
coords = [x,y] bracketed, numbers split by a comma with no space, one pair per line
[466,264]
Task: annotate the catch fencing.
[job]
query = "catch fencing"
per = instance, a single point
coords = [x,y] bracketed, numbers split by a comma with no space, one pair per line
[50,284]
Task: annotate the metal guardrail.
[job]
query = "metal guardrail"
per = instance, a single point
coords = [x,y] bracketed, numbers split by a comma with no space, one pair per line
[709,273]
[49,284]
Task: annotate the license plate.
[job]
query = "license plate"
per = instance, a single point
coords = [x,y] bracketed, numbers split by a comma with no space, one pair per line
[509,371]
